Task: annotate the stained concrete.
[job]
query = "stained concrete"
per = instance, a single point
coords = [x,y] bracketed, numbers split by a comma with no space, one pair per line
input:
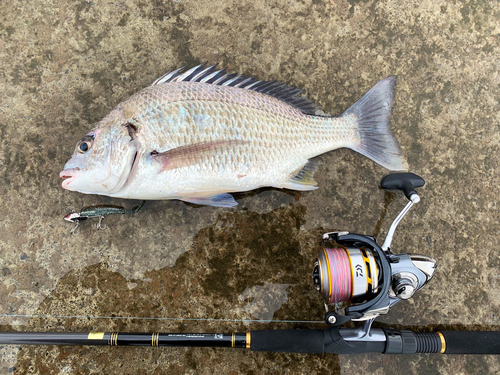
[65,64]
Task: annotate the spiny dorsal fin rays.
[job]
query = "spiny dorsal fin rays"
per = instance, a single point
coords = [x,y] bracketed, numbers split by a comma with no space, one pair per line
[224,79]
[199,76]
[213,76]
[244,83]
[210,75]
[167,77]
[186,74]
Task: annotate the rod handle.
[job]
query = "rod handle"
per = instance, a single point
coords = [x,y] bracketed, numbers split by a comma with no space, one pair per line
[471,342]
[287,341]
[310,341]
[443,342]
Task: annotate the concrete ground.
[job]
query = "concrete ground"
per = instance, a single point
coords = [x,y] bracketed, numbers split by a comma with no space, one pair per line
[64,64]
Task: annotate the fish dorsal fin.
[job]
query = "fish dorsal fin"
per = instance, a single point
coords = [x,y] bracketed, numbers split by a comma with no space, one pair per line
[287,94]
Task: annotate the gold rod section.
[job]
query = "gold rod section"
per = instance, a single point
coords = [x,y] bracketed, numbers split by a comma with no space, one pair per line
[155,339]
[233,339]
[95,335]
[248,340]
[443,343]
[113,341]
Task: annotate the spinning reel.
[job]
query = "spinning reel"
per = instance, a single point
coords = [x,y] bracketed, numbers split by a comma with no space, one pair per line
[369,276]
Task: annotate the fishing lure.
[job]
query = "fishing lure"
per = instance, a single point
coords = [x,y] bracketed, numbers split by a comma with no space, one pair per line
[99,212]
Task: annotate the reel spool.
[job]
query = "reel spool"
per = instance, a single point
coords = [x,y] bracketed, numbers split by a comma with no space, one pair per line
[346,274]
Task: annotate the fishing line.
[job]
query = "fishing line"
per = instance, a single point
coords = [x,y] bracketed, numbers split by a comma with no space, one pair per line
[164,319]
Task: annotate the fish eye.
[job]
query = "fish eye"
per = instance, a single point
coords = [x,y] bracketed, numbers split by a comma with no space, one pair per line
[85,144]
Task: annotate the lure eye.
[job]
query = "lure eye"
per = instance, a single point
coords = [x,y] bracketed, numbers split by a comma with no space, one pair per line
[85,144]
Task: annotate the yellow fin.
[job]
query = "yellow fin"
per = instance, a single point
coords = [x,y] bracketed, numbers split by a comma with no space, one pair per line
[304,179]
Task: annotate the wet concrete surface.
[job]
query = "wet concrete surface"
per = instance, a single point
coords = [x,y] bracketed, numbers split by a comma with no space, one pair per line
[65,64]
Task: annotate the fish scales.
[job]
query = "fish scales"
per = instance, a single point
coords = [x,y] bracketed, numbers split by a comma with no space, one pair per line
[198,141]
[269,124]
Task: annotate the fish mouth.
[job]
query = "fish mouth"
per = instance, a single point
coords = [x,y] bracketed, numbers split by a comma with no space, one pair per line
[69,175]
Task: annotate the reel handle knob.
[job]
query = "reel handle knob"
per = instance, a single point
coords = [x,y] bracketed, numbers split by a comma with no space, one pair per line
[406,182]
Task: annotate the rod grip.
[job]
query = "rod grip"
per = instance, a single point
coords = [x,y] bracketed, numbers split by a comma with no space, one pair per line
[443,342]
[327,340]
[471,342]
[288,341]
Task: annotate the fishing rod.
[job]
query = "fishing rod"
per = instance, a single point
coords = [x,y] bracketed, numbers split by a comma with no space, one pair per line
[330,340]
[360,279]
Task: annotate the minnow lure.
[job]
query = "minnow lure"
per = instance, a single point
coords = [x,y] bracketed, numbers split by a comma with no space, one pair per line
[99,212]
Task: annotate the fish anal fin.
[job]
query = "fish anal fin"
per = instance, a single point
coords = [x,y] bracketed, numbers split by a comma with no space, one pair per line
[192,154]
[219,200]
[304,179]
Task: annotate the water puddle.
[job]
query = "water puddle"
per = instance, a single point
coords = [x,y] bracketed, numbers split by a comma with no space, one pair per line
[263,300]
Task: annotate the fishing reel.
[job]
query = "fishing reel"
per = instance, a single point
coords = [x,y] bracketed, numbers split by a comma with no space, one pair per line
[369,276]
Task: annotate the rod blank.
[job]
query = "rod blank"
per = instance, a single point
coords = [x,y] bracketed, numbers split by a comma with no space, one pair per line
[235,340]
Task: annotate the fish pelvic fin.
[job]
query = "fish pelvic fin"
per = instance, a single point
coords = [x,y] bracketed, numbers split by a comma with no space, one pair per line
[376,140]
[219,200]
[192,154]
[304,179]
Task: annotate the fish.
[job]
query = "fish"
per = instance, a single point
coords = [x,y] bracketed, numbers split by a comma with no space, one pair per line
[199,134]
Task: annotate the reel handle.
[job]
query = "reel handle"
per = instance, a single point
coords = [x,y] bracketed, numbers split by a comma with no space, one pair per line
[406,182]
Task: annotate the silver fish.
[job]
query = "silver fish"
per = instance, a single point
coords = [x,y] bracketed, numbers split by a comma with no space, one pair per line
[201,134]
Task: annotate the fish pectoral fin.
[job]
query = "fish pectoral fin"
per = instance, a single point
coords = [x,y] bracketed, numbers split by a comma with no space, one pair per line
[195,153]
[304,179]
[219,200]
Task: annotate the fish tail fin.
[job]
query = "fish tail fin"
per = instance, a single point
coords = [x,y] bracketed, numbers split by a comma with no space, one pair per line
[376,140]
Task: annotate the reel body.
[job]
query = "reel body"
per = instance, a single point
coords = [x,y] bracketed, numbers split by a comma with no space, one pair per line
[367,275]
